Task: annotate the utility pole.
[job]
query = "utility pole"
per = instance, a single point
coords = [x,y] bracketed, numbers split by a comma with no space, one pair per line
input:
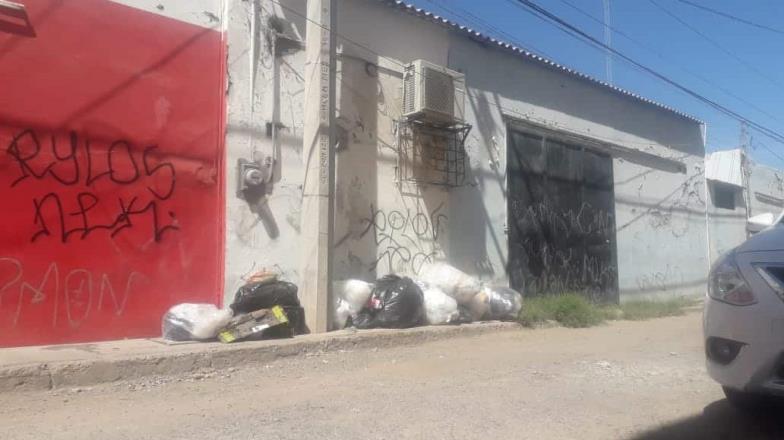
[607,42]
[318,192]
[744,166]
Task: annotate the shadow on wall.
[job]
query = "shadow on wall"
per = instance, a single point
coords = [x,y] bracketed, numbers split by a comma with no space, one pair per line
[487,75]
[468,246]
[360,99]
[720,420]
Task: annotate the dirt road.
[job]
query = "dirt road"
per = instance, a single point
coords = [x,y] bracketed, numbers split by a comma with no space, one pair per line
[630,380]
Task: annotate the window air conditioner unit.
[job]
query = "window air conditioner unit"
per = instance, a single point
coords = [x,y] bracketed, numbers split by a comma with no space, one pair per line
[433,93]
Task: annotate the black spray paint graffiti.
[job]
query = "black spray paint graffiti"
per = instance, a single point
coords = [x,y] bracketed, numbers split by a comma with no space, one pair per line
[79,291]
[564,250]
[405,240]
[583,222]
[120,163]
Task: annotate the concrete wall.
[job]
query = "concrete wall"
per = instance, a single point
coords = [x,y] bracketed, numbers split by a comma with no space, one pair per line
[727,226]
[384,224]
[659,208]
[766,188]
[763,193]
[265,120]
[659,191]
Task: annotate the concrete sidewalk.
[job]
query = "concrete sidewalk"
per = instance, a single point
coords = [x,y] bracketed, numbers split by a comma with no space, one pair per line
[49,367]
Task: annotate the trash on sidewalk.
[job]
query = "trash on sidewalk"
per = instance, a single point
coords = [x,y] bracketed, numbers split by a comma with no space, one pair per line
[440,308]
[350,297]
[496,302]
[396,302]
[264,291]
[253,325]
[265,294]
[452,281]
[194,322]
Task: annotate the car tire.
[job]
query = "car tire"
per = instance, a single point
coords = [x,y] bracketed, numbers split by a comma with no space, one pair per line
[744,400]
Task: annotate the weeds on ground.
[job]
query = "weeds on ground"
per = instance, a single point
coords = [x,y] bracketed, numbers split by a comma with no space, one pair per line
[569,310]
[648,309]
[576,311]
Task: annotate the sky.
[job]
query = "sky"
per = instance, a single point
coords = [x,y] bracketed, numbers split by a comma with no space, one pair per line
[731,63]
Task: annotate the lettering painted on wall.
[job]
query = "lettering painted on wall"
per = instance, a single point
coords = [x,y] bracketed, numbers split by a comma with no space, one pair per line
[80,161]
[564,249]
[671,276]
[406,240]
[79,292]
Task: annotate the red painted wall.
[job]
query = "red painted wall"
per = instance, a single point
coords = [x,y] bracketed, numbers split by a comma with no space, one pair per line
[111,182]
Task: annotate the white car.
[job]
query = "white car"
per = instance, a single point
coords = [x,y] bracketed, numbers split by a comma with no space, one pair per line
[744,319]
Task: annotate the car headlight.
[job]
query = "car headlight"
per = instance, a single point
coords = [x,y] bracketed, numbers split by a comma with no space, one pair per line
[726,284]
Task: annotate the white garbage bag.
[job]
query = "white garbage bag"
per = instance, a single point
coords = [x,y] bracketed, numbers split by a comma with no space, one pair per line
[452,281]
[496,302]
[194,322]
[440,308]
[342,313]
[356,293]
[479,306]
[350,297]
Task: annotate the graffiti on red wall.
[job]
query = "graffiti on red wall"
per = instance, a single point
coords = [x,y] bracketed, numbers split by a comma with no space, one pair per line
[41,157]
[77,291]
[111,169]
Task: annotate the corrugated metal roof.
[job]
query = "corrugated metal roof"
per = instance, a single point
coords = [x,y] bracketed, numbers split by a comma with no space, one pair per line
[474,34]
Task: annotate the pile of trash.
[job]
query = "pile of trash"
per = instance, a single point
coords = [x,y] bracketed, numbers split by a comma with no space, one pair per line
[441,294]
[264,308]
[267,307]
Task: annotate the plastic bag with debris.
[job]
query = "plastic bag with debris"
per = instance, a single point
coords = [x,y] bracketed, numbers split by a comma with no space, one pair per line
[452,281]
[440,308]
[264,295]
[259,324]
[396,302]
[350,297]
[194,322]
[496,302]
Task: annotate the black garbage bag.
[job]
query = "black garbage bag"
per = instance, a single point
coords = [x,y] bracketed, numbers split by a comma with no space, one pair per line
[396,302]
[270,293]
[265,295]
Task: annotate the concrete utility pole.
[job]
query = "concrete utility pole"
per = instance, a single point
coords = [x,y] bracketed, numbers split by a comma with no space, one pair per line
[744,166]
[607,41]
[319,155]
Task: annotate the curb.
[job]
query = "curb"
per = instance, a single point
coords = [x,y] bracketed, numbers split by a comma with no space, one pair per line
[48,376]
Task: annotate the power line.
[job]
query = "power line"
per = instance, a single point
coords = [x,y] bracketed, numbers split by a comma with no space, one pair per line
[481,23]
[552,18]
[763,130]
[507,110]
[718,46]
[489,27]
[733,17]
[770,150]
[657,53]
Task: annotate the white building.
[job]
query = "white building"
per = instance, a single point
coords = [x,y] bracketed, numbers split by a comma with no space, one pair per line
[566,183]
[744,197]
[200,154]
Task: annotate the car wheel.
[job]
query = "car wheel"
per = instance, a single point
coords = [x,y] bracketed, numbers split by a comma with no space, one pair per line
[745,400]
